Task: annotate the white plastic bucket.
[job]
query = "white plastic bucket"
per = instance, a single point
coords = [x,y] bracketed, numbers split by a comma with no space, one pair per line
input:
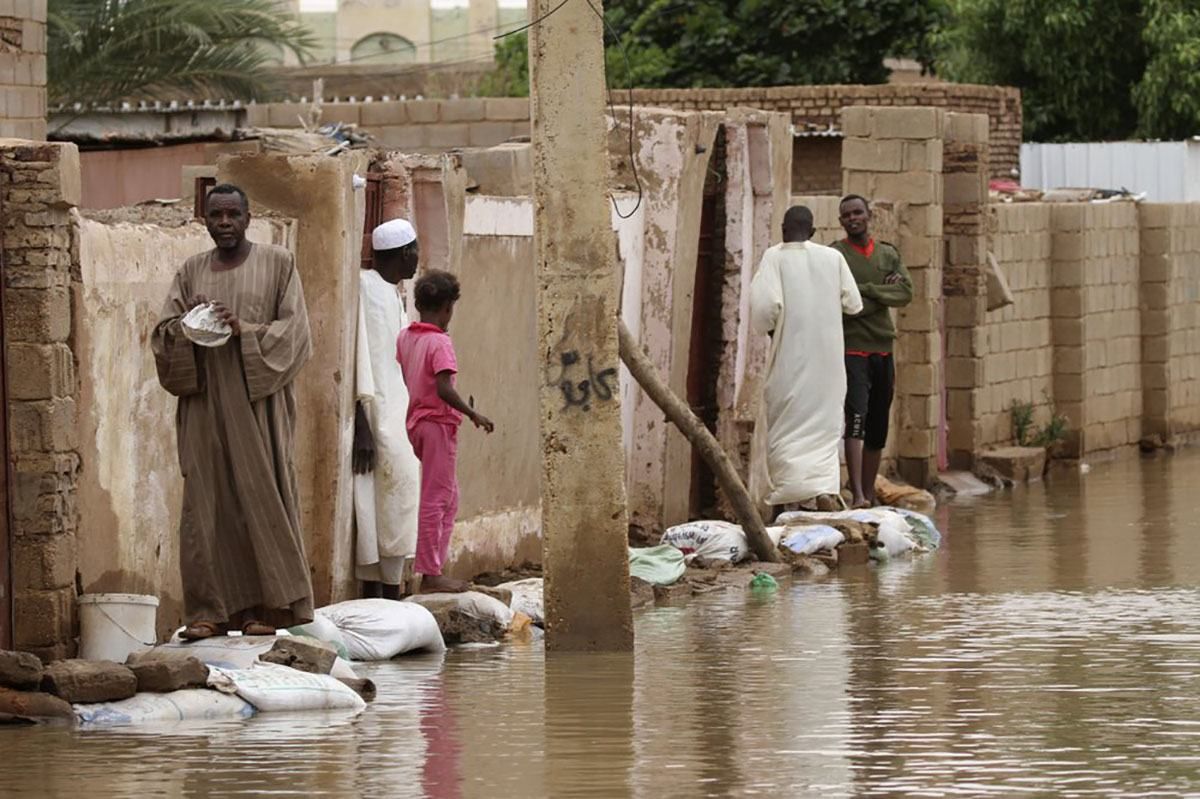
[112,626]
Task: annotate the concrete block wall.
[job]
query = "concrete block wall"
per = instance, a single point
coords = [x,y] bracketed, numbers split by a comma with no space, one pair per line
[1170,291]
[1013,343]
[23,69]
[39,185]
[895,155]
[415,126]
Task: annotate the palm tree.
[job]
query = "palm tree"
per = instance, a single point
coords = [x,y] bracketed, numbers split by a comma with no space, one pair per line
[105,51]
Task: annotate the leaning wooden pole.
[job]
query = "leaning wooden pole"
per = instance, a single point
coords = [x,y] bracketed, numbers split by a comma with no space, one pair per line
[706,444]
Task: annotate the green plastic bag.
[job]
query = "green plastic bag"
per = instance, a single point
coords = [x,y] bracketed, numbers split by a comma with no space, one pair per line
[660,565]
[763,582]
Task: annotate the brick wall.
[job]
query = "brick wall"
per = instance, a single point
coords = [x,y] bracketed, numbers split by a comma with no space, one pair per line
[414,125]
[1015,341]
[23,69]
[39,184]
[817,165]
[821,106]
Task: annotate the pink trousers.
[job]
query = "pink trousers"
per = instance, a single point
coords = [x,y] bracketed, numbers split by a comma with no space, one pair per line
[436,446]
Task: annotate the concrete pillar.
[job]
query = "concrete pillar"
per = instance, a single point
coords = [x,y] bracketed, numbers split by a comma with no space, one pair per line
[584,522]
[23,69]
[965,170]
[895,155]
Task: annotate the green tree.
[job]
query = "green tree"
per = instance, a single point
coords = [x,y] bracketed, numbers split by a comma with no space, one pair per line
[714,43]
[1089,70]
[104,51]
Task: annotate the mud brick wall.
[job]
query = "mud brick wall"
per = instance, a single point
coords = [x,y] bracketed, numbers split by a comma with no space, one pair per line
[817,165]
[1015,341]
[39,184]
[895,155]
[415,126]
[23,69]
[822,106]
[1170,294]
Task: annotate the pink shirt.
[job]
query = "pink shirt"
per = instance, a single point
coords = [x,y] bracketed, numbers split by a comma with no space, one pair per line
[424,351]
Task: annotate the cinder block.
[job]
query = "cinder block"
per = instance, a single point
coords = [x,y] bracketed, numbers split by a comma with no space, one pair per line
[862,183]
[1069,216]
[1070,387]
[44,562]
[469,109]
[965,189]
[287,115]
[918,316]
[258,115]
[965,373]
[445,137]
[44,426]
[42,618]
[1069,360]
[488,134]
[40,371]
[916,379]
[423,112]
[924,156]
[39,316]
[964,312]
[857,121]
[967,128]
[1156,295]
[383,114]
[919,251]
[1157,268]
[402,138]
[909,123]
[345,113]
[507,109]
[1156,241]
[869,155]
[912,443]
[914,188]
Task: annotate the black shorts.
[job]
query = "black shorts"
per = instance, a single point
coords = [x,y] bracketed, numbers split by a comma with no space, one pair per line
[870,381]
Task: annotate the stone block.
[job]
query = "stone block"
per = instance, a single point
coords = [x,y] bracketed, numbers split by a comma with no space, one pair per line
[42,618]
[507,109]
[164,676]
[964,311]
[34,706]
[488,134]
[423,112]
[967,128]
[913,443]
[468,109]
[869,155]
[857,121]
[345,113]
[909,123]
[403,138]
[287,115]
[913,188]
[964,373]
[1156,295]
[853,555]
[916,379]
[37,315]
[1069,217]
[258,115]
[302,654]
[445,137]
[964,189]
[88,681]
[1067,332]
[919,251]
[44,561]
[40,371]
[1018,464]
[918,316]
[383,114]
[1157,215]
[20,670]
[44,426]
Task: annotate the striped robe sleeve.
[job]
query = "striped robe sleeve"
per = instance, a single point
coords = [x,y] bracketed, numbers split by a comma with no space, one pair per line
[174,353]
[272,354]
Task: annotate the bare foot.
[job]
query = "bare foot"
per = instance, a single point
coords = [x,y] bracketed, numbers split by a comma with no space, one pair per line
[437,584]
[859,503]
[257,628]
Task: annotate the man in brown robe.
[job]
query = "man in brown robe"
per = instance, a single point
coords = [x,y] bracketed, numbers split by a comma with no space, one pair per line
[241,550]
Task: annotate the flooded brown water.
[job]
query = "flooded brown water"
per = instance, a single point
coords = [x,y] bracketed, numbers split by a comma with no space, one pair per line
[1052,648]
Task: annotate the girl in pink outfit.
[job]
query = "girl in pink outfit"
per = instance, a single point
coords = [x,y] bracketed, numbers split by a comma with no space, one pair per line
[435,410]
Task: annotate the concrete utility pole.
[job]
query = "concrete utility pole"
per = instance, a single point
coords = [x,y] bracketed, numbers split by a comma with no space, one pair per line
[584,514]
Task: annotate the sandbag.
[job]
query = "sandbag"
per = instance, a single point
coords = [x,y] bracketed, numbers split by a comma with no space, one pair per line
[711,540]
[807,540]
[660,565]
[923,528]
[237,652]
[192,704]
[272,689]
[528,598]
[380,629]
[467,617]
[322,629]
[894,540]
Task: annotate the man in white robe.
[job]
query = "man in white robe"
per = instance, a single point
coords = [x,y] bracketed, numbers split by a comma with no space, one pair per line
[387,484]
[798,297]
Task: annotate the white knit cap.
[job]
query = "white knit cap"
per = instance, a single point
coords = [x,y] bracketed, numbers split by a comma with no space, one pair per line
[392,234]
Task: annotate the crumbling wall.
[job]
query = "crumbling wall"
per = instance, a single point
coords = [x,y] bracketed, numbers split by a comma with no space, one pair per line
[39,184]
[130,487]
[23,69]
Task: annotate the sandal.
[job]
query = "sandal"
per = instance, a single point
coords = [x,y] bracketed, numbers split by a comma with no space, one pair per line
[199,630]
[257,628]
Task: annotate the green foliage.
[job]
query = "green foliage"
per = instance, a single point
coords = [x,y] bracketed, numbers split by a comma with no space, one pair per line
[510,78]
[1025,433]
[1168,96]
[104,51]
[714,43]
[1091,70]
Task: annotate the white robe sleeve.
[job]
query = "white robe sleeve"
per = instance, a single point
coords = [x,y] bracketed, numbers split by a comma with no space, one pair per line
[851,298]
[364,375]
[766,296]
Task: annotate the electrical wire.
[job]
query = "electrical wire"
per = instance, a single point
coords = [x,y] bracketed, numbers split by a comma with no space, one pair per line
[529,25]
[612,110]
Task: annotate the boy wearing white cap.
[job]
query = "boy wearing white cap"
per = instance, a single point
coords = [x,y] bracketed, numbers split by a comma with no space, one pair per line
[387,485]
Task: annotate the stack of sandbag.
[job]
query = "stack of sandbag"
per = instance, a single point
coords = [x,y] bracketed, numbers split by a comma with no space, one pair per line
[887,532]
[469,617]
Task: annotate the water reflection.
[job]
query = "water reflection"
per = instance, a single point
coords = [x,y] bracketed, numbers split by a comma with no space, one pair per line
[1051,648]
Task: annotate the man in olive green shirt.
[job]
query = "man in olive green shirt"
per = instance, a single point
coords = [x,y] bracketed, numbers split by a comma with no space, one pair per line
[870,334]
